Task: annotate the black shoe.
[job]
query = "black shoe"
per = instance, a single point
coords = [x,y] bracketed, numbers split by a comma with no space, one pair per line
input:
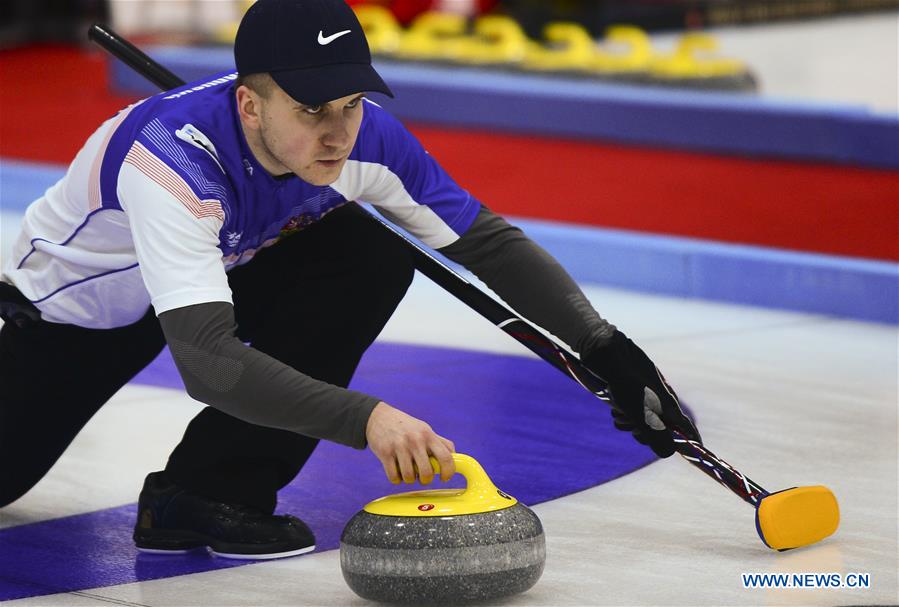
[172,520]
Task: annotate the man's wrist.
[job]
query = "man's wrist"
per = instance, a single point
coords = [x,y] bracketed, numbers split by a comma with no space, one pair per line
[607,357]
[365,420]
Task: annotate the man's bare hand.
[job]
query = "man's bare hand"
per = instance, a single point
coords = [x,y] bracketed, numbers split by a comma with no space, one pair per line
[404,443]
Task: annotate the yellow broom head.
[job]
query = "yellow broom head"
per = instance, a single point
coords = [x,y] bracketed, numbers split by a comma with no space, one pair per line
[797,517]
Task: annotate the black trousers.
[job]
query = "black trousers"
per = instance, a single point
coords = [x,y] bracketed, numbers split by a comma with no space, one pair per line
[315,301]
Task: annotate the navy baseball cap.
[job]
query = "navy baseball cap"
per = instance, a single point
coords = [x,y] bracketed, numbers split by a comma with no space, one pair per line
[314,49]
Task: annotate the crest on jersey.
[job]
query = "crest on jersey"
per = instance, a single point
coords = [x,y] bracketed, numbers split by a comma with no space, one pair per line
[196,138]
[232,238]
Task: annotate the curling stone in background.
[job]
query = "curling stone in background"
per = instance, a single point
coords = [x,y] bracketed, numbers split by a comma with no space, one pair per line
[443,545]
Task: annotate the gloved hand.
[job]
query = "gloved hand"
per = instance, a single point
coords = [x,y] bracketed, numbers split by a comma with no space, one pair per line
[644,403]
[15,307]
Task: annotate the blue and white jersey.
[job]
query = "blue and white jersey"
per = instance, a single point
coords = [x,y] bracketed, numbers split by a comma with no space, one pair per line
[166,196]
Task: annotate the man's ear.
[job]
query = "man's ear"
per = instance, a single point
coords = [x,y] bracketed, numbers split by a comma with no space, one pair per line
[248,106]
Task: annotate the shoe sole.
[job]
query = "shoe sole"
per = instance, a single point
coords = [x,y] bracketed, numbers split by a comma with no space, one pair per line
[167,551]
[261,557]
[229,555]
[171,543]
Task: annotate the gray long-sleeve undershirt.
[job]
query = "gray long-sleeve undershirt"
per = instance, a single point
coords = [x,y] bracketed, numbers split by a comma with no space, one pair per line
[221,371]
[530,280]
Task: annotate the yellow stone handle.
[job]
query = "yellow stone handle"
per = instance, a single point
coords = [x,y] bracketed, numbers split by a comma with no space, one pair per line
[475,476]
[480,495]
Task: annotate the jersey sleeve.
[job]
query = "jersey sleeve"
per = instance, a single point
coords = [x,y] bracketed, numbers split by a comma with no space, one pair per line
[175,197]
[392,171]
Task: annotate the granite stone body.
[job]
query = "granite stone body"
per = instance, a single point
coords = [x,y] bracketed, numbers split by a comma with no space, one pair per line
[443,559]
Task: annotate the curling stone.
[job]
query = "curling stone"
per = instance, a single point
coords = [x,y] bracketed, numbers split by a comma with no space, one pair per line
[443,545]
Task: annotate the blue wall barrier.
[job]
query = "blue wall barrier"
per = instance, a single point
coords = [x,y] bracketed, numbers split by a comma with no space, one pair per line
[759,276]
[704,121]
[22,182]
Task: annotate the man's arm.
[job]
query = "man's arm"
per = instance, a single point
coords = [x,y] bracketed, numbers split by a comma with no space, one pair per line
[219,370]
[530,280]
[536,286]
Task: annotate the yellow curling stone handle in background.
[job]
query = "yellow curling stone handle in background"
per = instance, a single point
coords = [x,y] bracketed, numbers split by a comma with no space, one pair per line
[479,496]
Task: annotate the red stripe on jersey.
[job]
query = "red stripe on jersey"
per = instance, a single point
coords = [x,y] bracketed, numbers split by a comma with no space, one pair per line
[94,201]
[154,168]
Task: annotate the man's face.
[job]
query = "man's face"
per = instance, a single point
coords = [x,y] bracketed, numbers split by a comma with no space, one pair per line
[312,142]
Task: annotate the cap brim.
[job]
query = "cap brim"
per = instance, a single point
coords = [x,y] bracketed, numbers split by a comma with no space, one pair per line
[319,85]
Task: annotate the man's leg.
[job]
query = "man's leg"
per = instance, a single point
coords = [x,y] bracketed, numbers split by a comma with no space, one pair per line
[315,301]
[53,378]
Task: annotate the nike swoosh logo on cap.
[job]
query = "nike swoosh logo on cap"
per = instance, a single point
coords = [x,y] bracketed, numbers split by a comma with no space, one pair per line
[323,40]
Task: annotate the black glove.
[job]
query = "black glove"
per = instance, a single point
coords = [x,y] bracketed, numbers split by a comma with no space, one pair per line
[15,307]
[643,402]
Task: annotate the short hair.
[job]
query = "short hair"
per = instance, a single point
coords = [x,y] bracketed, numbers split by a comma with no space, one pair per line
[262,83]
